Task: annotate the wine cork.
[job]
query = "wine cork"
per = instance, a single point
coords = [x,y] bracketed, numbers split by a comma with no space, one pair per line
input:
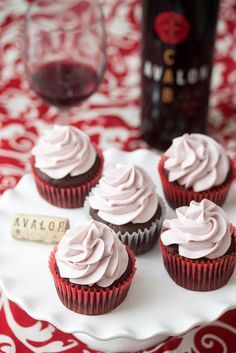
[47,229]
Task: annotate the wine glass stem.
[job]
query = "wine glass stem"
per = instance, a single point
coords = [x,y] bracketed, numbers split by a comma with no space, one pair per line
[63,117]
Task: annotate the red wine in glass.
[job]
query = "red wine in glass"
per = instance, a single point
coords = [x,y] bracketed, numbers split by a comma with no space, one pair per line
[64,50]
[65,83]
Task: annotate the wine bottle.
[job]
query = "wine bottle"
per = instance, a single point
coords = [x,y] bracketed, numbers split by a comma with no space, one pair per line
[177,52]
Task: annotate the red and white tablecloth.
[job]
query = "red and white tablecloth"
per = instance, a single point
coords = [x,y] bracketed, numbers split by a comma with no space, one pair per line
[111,117]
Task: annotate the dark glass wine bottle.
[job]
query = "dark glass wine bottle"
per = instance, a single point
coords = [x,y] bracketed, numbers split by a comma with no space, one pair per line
[177,50]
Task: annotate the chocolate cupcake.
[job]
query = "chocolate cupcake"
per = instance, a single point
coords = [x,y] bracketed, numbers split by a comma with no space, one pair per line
[198,246]
[193,168]
[92,269]
[65,166]
[126,200]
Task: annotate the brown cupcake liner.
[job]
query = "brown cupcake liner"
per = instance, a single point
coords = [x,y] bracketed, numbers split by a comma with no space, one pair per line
[178,196]
[198,275]
[66,197]
[89,300]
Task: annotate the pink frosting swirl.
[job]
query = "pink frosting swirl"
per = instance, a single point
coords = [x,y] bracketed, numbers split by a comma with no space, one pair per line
[196,161]
[64,150]
[124,194]
[200,230]
[91,253]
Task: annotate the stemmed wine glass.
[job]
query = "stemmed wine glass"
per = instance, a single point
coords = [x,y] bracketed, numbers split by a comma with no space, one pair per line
[64,49]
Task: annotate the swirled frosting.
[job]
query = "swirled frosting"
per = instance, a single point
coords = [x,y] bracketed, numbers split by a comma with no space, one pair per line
[91,253]
[196,161]
[124,194]
[64,150]
[200,230]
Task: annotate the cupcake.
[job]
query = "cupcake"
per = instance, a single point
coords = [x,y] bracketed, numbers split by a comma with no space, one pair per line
[198,246]
[126,200]
[92,269]
[65,166]
[193,168]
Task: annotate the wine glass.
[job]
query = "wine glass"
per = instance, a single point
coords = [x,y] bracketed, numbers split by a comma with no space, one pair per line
[64,49]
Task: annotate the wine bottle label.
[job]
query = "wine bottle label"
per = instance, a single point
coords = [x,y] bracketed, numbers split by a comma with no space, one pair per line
[177,50]
[42,228]
[181,77]
[171,27]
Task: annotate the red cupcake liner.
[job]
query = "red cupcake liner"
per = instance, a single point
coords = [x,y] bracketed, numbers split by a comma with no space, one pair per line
[66,197]
[197,275]
[177,196]
[91,301]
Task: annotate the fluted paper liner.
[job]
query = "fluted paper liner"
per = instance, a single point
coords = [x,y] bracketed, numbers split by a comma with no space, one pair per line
[90,300]
[66,197]
[142,241]
[178,196]
[198,275]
